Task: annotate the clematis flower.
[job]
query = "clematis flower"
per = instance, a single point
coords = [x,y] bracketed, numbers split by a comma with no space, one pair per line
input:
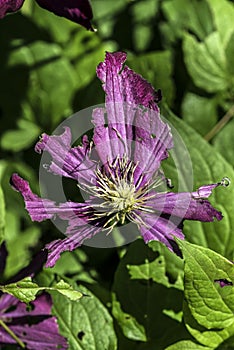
[78,11]
[119,170]
[40,333]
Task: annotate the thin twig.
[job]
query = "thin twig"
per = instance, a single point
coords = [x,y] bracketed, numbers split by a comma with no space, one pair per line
[227,116]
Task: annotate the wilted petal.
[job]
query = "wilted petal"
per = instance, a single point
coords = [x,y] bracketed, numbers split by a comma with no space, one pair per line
[36,328]
[7,6]
[78,11]
[206,190]
[70,162]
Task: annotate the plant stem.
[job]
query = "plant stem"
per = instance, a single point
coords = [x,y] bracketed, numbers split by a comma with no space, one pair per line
[12,334]
[227,116]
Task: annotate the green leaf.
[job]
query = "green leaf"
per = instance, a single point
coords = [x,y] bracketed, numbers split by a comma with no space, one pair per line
[50,23]
[224,142]
[49,93]
[187,345]
[194,16]
[24,137]
[136,298]
[208,167]
[2,215]
[229,51]
[143,14]
[131,328]
[156,270]
[208,337]
[26,290]
[199,112]
[223,14]
[211,305]
[156,67]
[72,264]
[106,14]
[87,324]
[206,62]
[23,240]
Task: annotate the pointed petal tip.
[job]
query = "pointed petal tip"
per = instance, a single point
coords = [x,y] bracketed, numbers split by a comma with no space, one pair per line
[17,183]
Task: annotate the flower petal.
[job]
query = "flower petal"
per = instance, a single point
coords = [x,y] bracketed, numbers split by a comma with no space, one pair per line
[153,139]
[66,161]
[78,232]
[185,205]
[112,140]
[121,84]
[158,228]
[78,11]
[7,6]
[125,90]
[39,209]
[36,328]
[130,126]
[77,215]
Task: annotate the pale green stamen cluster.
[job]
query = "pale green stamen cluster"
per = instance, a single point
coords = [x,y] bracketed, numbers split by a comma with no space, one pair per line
[118,195]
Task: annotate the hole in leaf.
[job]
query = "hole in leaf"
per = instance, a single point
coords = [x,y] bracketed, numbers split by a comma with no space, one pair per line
[223,282]
[80,335]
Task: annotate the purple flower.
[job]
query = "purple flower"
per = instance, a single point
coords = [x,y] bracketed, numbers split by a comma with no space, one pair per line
[34,327]
[78,11]
[119,171]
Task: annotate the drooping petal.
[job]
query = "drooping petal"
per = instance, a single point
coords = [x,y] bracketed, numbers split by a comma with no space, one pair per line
[185,205]
[70,162]
[39,209]
[159,228]
[36,328]
[78,11]
[8,6]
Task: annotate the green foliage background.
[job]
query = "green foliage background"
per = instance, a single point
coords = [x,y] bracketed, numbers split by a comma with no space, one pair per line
[138,300]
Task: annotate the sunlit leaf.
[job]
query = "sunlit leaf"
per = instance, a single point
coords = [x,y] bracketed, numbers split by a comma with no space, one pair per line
[86,324]
[26,290]
[210,302]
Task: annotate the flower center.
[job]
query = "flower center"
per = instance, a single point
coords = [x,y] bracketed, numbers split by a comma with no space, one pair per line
[116,193]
